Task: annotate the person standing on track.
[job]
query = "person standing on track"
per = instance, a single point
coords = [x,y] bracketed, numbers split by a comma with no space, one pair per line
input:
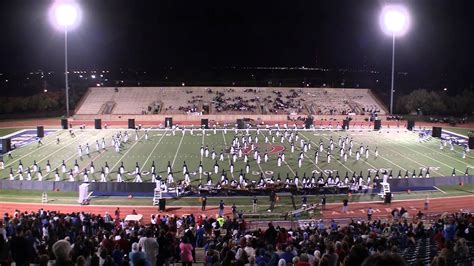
[254,204]
[345,205]
[369,214]
[203,203]
[234,210]
[221,208]
[323,202]
[273,197]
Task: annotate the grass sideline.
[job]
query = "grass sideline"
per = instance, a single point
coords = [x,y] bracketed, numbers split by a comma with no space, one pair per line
[34,196]
[7,131]
[460,130]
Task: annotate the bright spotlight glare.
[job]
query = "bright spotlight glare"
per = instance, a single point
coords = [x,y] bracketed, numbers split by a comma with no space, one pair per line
[65,14]
[394,20]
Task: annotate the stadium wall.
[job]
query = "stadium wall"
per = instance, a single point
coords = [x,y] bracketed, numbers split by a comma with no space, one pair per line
[407,183]
[114,188]
[155,120]
[43,185]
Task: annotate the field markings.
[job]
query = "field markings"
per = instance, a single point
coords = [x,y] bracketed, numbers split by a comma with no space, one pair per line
[200,162]
[289,167]
[316,146]
[410,159]
[35,150]
[156,145]
[53,169]
[228,155]
[123,156]
[259,166]
[53,153]
[85,166]
[74,154]
[365,161]
[388,160]
[440,190]
[49,155]
[177,151]
[444,154]
[407,147]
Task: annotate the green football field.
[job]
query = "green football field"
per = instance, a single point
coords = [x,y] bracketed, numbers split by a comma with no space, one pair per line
[459,130]
[6,131]
[397,151]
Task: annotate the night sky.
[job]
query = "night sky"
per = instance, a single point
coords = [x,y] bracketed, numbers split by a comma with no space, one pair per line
[154,34]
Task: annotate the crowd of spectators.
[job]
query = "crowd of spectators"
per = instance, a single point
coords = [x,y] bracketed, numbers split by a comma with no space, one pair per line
[53,238]
[234,104]
[291,101]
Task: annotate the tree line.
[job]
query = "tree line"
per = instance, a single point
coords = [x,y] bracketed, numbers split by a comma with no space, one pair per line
[36,103]
[427,102]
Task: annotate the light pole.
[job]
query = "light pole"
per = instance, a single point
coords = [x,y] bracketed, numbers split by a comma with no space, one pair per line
[394,20]
[65,15]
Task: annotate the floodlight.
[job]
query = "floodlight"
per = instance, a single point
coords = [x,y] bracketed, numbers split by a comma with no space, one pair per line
[394,20]
[65,14]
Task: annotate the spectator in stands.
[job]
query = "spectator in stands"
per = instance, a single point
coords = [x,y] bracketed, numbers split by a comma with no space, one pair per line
[149,245]
[303,260]
[62,252]
[384,259]
[449,230]
[282,262]
[227,241]
[287,255]
[331,254]
[136,256]
[17,247]
[438,261]
[186,251]
[4,251]
[461,249]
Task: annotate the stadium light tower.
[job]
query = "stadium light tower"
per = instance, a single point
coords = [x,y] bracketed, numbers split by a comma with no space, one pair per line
[395,21]
[65,15]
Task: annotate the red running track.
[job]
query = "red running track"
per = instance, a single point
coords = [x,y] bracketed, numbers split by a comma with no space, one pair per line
[333,210]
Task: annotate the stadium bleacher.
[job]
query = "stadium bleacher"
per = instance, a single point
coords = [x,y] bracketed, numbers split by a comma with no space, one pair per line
[235,100]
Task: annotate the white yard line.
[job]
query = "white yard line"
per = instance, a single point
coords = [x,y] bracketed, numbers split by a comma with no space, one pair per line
[363,160]
[420,164]
[123,156]
[53,169]
[444,154]
[456,134]
[440,190]
[156,145]
[294,174]
[202,145]
[228,156]
[36,150]
[434,159]
[15,133]
[316,146]
[74,154]
[177,151]
[381,158]
[49,155]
